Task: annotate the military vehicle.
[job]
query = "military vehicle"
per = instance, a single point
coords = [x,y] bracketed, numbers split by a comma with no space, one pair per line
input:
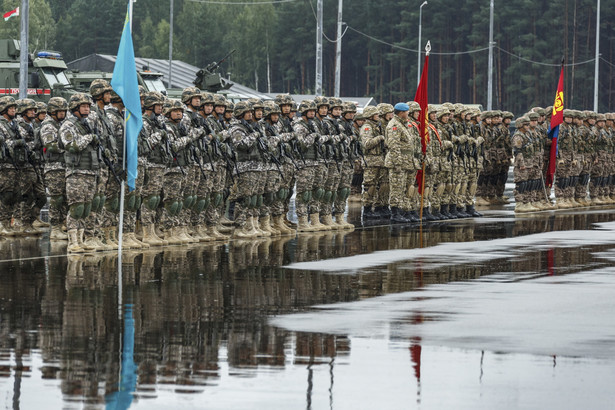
[46,73]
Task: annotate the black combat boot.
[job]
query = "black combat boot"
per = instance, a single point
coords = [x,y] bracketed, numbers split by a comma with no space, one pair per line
[461,212]
[397,216]
[411,216]
[472,211]
[386,212]
[437,214]
[367,212]
[444,212]
[452,210]
[427,215]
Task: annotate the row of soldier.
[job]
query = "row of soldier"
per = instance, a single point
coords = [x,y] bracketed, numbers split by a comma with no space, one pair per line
[584,161]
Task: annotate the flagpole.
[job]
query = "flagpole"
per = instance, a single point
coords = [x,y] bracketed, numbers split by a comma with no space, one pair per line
[425,131]
[23,57]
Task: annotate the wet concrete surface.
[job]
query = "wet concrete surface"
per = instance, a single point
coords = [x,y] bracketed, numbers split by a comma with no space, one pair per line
[500,311]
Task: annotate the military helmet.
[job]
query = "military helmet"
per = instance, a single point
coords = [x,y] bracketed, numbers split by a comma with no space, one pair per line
[568,113]
[219,99]
[241,108]
[189,93]
[6,102]
[207,98]
[507,114]
[41,107]
[115,98]
[152,98]
[284,99]
[230,106]
[496,113]
[256,103]
[349,107]
[359,116]
[384,108]
[370,111]
[521,121]
[57,104]
[271,107]
[99,87]
[442,111]
[414,106]
[533,116]
[142,91]
[171,105]
[25,104]
[600,117]
[449,106]
[306,105]
[77,99]
[320,101]
[609,116]
[591,114]
[335,102]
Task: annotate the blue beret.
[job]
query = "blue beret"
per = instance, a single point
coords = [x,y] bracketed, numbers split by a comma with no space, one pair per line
[402,107]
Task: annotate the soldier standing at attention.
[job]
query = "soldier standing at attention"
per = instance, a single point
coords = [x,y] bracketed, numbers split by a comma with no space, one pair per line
[55,171]
[375,173]
[82,167]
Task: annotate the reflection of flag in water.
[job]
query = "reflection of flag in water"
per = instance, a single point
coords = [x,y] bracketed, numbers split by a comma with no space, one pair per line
[421,98]
[557,117]
[122,398]
[125,84]
[550,262]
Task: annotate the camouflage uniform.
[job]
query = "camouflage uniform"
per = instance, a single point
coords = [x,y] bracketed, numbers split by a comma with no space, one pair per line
[375,175]
[524,147]
[9,188]
[444,188]
[566,166]
[402,161]
[55,172]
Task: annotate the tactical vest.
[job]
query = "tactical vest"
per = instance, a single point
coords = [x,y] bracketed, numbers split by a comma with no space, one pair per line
[309,151]
[53,157]
[86,159]
[183,155]
[248,154]
[155,155]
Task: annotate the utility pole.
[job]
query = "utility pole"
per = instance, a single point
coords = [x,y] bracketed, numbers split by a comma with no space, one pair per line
[338,49]
[318,87]
[490,70]
[597,68]
[23,57]
[170,45]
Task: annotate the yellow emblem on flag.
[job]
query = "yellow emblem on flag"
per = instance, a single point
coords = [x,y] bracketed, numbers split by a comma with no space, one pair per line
[559,103]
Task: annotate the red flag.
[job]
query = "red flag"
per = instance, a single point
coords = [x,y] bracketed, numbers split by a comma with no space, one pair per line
[12,13]
[557,117]
[421,98]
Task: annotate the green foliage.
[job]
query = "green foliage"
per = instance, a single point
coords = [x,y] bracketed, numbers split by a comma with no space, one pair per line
[536,30]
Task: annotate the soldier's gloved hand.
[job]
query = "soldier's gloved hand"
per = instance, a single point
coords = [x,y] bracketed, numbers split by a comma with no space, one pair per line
[472,141]
[463,139]
[455,139]
[95,139]
[447,145]
[479,141]
[380,138]
[108,153]
[575,162]
[560,163]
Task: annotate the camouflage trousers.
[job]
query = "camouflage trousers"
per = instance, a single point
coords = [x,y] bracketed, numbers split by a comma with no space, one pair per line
[273,184]
[343,189]
[287,182]
[8,193]
[80,189]
[471,186]
[55,179]
[402,193]
[376,186]
[304,183]
[458,176]
[203,195]
[321,172]
[357,177]
[151,193]
[331,183]
[500,178]
[39,198]
[172,191]
[245,194]
[31,196]
[443,189]
[218,182]
[94,221]
[189,189]
[132,201]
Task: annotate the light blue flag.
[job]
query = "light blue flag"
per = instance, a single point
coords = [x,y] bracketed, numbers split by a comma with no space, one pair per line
[125,84]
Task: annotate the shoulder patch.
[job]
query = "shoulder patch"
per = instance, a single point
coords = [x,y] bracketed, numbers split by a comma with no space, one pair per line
[366,129]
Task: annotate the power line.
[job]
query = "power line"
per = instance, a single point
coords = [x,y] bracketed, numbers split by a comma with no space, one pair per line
[242,3]
[608,62]
[546,64]
[323,33]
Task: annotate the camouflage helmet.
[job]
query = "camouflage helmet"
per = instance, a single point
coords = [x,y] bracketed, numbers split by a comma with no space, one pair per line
[449,106]
[241,108]
[507,115]
[142,91]
[458,108]
[568,113]
[152,98]
[335,102]
[359,116]
[256,103]
[207,98]
[307,105]
[230,106]
[99,87]
[384,108]
[609,116]
[172,104]
[349,107]
[320,101]
[271,107]
[25,104]
[284,99]
[591,114]
[115,98]
[57,104]
[521,121]
[533,116]
[41,107]
[600,117]
[414,106]
[77,99]
[370,111]
[219,99]
[189,93]
[6,102]
[496,113]
[442,111]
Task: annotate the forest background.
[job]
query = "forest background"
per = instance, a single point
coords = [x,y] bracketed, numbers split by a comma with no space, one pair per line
[275,44]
